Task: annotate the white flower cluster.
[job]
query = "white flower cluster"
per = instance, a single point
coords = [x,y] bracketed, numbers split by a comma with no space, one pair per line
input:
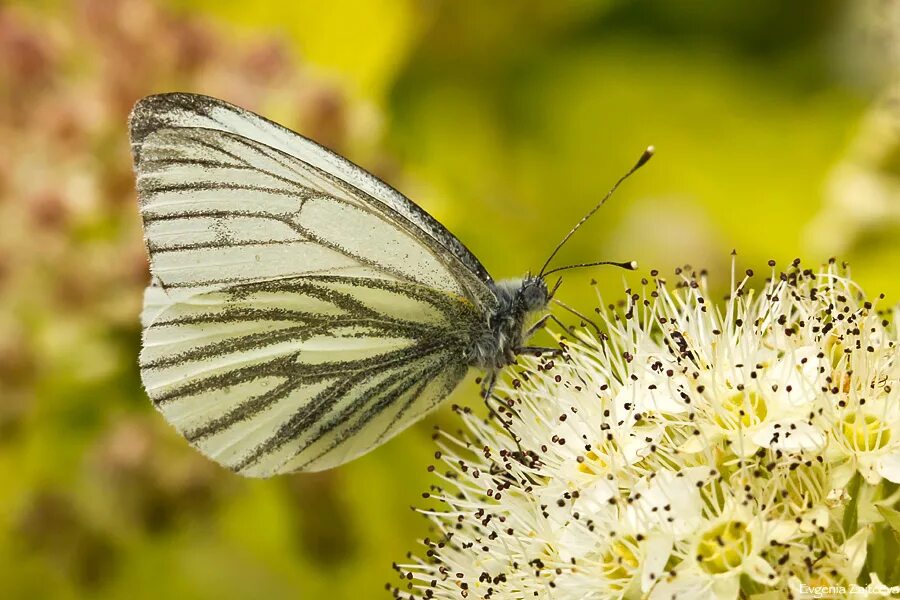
[679,449]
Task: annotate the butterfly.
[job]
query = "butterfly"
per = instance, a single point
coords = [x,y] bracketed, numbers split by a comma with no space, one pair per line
[302,312]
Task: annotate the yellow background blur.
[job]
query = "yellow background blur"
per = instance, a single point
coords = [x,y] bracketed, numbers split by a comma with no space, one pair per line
[777,134]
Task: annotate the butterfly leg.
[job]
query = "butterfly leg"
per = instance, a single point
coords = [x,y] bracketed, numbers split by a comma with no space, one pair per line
[534,329]
[539,350]
[510,358]
[487,392]
[537,326]
[563,326]
[580,316]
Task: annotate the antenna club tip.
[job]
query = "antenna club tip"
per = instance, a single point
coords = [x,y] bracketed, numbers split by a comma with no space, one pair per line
[633,265]
[647,155]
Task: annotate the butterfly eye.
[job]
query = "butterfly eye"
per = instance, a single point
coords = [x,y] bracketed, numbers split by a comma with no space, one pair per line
[533,294]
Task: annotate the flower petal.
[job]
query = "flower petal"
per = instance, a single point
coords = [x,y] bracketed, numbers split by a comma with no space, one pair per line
[889,467]
[684,587]
[758,569]
[855,551]
[790,436]
[657,550]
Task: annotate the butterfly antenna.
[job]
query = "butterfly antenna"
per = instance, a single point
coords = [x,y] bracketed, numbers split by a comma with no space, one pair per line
[647,155]
[630,265]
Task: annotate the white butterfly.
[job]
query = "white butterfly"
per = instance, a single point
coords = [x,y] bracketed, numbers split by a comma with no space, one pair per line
[301,311]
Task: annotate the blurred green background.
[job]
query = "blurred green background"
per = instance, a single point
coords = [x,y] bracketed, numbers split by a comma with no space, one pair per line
[777,130]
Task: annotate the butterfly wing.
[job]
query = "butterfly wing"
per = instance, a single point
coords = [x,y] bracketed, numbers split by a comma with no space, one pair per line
[179,110]
[294,320]
[302,373]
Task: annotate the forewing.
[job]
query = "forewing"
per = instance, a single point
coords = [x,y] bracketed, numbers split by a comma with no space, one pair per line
[190,111]
[220,209]
[303,373]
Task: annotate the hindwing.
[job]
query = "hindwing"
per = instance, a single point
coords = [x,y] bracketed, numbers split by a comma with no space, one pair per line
[303,373]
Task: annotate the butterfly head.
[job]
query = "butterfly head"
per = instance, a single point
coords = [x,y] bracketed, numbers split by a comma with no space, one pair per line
[500,341]
[519,297]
